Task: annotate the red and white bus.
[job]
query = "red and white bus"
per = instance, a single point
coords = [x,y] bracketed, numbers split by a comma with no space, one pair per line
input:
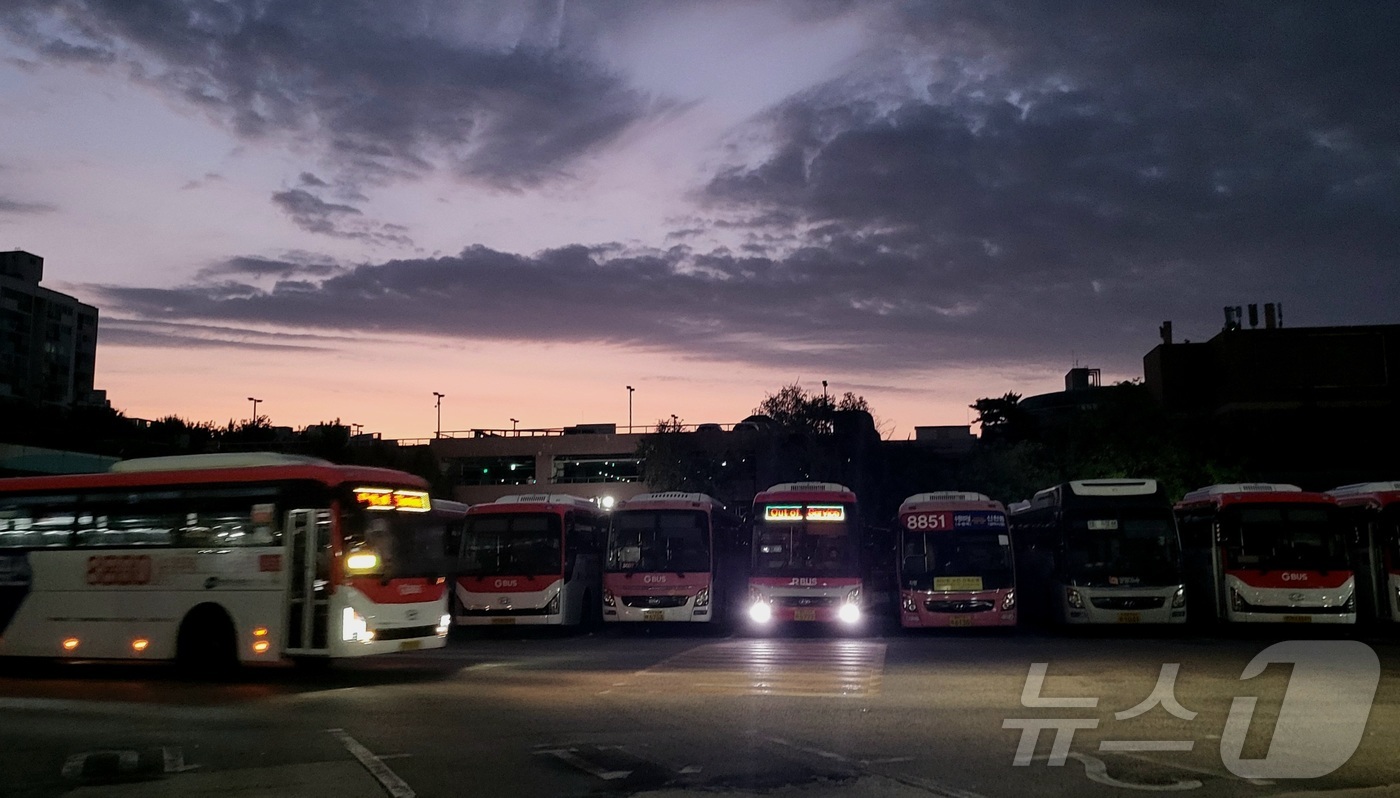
[1266,553]
[1373,512]
[217,559]
[955,561]
[531,559]
[807,560]
[665,554]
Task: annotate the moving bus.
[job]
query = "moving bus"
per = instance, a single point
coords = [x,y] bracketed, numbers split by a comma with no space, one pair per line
[531,559]
[1098,551]
[1372,510]
[217,559]
[664,558]
[806,555]
[955,565]
[1266,553]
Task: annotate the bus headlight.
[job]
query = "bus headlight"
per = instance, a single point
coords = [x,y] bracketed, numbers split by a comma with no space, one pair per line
[361,562]
[702,599]
[1073,598]
[553,608]
[444,624]
[1236,600]
[1350,604]
[908,603]
[1179,598]
[354,627]
[609,600]
[1009,602]
[761,611]
[849,612]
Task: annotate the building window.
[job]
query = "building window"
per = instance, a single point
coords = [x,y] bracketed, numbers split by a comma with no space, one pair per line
[492,470]
[597,468]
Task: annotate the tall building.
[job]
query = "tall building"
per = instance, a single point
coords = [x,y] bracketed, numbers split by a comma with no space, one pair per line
[48,340]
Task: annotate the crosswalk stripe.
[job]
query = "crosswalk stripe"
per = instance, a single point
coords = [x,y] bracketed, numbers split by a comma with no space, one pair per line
[830,668]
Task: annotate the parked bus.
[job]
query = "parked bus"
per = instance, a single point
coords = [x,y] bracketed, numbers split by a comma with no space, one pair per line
[1372,510]
[955,564]
[531,559]
[1098,551]
[666,558]
[1266,553]
[807,562]
[217,559]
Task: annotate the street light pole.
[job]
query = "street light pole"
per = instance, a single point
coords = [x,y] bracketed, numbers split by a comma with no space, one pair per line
[630,389]
[255,410]
[513,430]
[439,413]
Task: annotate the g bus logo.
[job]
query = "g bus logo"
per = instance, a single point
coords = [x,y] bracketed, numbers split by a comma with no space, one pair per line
[1323,715]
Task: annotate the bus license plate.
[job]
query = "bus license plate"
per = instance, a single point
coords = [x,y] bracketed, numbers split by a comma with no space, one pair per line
[653,615]
[1130,617]
[410,645]
[506,621]
[807,614]
[1297,619]
[959,620]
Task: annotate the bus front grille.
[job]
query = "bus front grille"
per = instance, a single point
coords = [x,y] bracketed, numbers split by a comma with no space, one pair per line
[955,605]
[1128,602]
[654,602]
[806,601]
[405,632]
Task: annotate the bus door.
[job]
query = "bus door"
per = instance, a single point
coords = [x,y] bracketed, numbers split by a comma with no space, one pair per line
[308,551]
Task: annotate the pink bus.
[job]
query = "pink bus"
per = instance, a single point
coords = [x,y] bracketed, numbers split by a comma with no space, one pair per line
[530,559]
[955,563]
[663,557]
[808,562]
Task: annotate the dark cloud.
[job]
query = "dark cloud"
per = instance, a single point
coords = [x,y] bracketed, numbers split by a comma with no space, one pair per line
[847,305]
[308,179]
[387,90]
[315,215]
[253,268]
[1125,162]
[16,207]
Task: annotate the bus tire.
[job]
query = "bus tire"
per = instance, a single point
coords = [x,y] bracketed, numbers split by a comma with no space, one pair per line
[206,645]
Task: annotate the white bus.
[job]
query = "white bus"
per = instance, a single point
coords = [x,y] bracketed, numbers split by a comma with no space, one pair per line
[218,559]
[1098,551]
[531,559]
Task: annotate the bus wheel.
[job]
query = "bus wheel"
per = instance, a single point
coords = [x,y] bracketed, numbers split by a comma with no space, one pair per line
[206,645]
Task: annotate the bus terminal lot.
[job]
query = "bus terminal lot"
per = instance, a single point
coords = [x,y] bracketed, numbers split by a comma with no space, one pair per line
[683,712]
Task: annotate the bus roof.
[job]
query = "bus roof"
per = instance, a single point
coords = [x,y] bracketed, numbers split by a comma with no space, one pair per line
[1377,494]
[212,471]
[1251,493]
[1130,492]
[949,500]
[515,501]
[669,499]
[806,491]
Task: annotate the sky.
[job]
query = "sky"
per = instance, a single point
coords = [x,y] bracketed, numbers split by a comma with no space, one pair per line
[342,208]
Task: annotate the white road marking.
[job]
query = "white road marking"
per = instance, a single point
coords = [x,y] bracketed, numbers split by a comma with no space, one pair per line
[388,779]
[570,756]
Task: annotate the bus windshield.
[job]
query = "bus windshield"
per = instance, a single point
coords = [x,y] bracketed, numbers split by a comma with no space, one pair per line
[1122,549]
[944,560]
[525,544]
[409,544]
[1272,538]
[805,547]
[659,540]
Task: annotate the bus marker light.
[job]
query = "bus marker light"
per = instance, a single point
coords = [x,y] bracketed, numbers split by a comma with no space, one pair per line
[140,644]
[70,644]
[362,561]
[261,647]
[260,631]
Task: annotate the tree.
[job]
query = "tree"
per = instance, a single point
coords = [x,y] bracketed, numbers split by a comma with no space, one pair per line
[796,409]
